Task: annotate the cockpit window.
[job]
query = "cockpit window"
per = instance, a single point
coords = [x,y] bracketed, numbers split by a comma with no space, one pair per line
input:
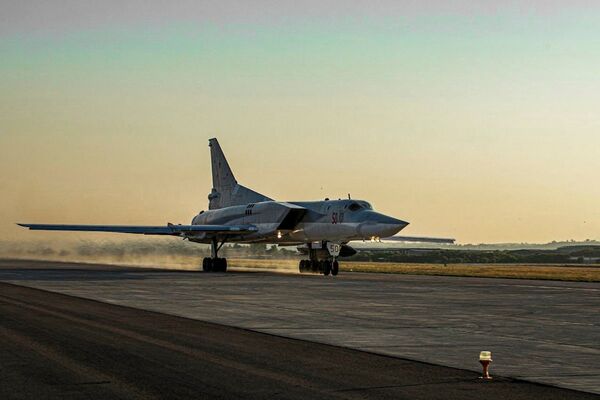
[354,207]
[366,205]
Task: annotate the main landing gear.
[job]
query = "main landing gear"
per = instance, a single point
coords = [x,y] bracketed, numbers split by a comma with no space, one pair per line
[214,263]
[324,267]
[322,259]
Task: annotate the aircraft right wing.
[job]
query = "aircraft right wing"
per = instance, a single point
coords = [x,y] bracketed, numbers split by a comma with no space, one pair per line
[418,239]
[169,229]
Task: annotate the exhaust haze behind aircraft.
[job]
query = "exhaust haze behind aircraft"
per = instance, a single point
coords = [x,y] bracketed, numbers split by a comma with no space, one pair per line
[237,214]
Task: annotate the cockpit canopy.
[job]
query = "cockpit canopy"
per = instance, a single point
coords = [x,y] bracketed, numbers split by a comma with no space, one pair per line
[359,205]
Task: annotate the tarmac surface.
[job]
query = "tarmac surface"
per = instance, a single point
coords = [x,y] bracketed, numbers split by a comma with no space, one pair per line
[542,331]
[61,347]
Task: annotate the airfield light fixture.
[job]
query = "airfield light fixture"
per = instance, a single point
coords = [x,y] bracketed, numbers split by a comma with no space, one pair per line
[485,358]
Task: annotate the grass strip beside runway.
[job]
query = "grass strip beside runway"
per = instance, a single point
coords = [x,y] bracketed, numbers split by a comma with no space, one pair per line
[576,273]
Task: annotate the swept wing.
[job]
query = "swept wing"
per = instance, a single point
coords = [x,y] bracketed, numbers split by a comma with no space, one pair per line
[169,229]
[417,239]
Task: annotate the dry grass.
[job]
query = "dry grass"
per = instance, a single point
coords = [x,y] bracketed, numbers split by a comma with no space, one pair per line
[583,273]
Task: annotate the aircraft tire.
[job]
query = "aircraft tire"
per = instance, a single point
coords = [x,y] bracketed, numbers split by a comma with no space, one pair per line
[206,264]
[314,266]
[335,268]
[219,265]
[326,267]
[302,266]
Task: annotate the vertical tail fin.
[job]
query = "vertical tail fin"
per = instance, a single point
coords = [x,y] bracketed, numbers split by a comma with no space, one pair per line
[222,176]
[226,191]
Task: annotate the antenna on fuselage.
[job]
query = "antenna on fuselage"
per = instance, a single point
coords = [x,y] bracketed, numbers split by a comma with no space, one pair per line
[349,196]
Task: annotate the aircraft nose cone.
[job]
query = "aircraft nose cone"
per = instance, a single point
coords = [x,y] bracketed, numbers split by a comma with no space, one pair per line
[380,225]
[384,219]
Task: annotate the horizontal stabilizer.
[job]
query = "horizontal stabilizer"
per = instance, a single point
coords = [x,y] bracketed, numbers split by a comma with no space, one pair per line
[418,239]
[169,229]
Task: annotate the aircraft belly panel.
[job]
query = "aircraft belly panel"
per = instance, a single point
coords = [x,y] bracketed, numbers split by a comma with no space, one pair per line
[329,231]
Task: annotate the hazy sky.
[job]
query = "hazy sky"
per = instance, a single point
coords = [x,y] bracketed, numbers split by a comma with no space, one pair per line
[471,120]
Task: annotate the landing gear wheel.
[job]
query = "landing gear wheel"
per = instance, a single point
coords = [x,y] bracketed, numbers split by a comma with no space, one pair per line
[315,266]
[220,265]
[214,264]
[326,267]
[206,264]
[335,268]
[304,266]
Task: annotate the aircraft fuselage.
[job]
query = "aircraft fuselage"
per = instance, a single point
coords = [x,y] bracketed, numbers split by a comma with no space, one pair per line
[298,222]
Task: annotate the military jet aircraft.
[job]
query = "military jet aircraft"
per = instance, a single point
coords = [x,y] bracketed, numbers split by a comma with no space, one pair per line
[237,214]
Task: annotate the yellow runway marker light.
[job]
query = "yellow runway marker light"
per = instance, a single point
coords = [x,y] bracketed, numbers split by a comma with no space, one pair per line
[485,358]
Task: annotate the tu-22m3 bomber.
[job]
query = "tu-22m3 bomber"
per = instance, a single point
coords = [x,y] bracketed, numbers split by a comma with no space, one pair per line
[237,214]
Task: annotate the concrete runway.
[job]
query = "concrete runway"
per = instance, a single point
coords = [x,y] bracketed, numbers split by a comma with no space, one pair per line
[56,346]
[542,331]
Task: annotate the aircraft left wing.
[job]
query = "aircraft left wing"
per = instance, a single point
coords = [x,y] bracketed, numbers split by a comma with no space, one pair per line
[169,229]
[418,239]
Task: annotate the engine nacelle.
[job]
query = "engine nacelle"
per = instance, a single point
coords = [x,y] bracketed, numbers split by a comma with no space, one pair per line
[271,218]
